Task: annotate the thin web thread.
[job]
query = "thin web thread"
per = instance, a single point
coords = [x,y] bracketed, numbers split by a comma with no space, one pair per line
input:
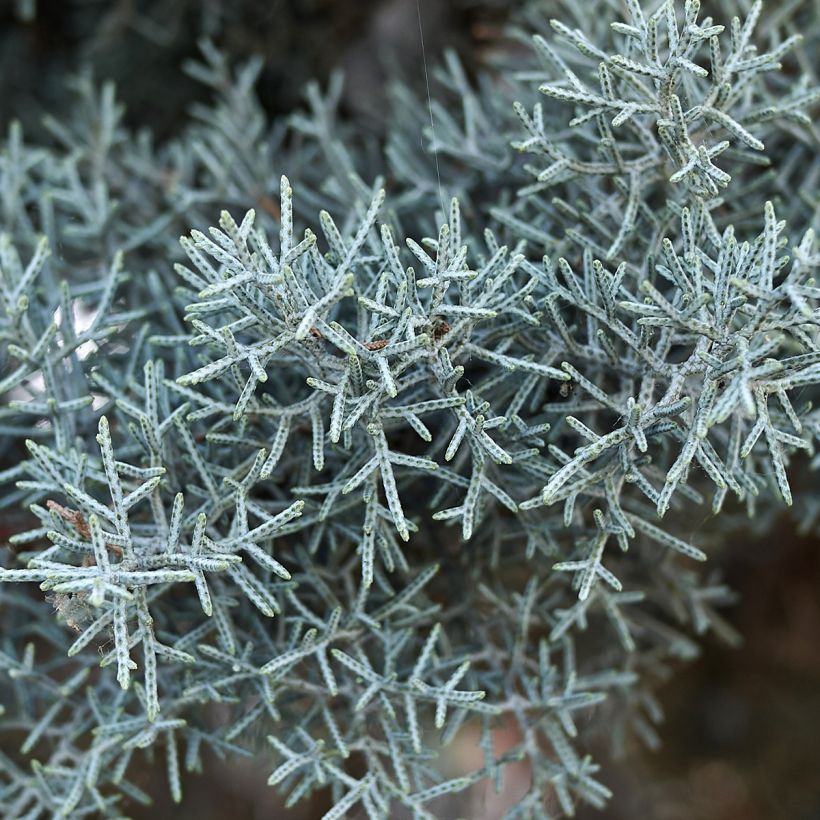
[430,109]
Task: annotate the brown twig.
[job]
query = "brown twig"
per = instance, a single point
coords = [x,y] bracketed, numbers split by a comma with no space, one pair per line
[76,519]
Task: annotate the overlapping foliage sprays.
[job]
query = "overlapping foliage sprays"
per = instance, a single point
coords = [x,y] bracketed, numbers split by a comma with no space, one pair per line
[374,459]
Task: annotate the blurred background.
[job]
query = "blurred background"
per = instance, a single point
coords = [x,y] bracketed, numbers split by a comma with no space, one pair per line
[741,739]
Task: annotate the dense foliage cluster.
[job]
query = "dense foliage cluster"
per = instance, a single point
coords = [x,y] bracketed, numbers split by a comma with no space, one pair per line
[415,443]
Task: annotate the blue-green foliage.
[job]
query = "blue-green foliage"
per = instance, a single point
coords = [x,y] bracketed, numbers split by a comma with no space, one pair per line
[363,475]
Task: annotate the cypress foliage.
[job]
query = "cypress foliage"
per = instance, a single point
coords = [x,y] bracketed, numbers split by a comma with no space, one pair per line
[412,438]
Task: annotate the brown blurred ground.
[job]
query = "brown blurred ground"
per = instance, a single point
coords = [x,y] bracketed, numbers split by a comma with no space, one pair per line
[742,731]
